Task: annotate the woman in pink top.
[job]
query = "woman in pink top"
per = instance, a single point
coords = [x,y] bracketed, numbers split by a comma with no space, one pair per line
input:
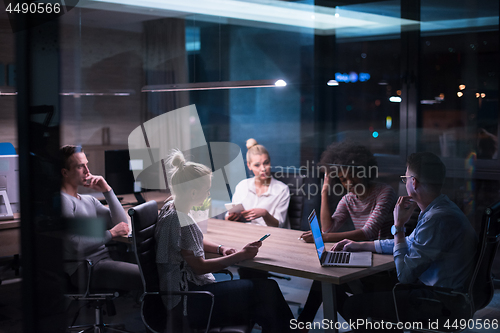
[369,204]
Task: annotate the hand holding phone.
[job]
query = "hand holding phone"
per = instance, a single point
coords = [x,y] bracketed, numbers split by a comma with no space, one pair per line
[264,237]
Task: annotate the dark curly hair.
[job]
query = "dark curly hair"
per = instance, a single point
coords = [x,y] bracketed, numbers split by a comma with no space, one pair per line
[348,153]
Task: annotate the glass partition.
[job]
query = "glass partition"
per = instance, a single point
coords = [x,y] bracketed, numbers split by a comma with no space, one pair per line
[396,76]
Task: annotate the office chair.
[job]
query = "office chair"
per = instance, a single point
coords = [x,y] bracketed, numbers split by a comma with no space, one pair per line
[96,299]
[153,313]
[296,205]
[480,285]
[304,196]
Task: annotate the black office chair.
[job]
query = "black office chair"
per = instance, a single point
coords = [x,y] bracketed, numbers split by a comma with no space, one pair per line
[480,285]
[302,187]
[98,300]
[153,313]
[296,206]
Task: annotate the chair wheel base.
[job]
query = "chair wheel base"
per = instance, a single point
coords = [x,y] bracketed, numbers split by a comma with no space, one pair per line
[98,328]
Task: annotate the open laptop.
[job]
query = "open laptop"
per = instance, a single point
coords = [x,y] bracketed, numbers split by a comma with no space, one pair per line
[337,258]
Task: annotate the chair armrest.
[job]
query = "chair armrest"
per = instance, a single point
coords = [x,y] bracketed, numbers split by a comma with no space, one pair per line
[441,290]
[186,293]
[412,286]
[90,266]
[93,297]
[170,293]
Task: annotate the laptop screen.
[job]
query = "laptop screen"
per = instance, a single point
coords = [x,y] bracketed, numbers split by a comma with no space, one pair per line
[316,231]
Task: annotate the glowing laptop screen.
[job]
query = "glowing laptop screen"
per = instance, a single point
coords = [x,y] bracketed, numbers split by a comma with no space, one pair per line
[316,231]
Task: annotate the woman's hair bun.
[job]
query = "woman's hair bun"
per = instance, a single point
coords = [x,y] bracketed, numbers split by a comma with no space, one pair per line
[178,159]
[251,142]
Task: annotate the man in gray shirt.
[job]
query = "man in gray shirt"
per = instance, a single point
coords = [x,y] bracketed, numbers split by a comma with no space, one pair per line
[106,272]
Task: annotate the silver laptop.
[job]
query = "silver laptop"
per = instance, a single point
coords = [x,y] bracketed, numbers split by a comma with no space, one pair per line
[336,258]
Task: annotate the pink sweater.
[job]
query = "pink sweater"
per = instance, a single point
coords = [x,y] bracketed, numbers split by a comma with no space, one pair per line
[373,214]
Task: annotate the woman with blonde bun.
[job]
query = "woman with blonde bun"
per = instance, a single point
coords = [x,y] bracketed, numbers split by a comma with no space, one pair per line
[182,265]
[264,198]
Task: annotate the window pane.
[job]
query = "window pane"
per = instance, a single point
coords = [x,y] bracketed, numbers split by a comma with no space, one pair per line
[459,82]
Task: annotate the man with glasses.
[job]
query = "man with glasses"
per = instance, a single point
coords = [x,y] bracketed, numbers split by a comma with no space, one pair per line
[439,252]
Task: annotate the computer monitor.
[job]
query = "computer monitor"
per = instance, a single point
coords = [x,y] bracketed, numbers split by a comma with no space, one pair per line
[9,182]
[118,171]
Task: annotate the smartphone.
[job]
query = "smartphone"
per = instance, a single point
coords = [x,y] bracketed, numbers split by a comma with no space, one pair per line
[264,237]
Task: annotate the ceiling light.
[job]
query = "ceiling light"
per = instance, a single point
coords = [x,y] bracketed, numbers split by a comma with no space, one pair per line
[332,83]
[214,85]
[280,83]
[94,94]
[275,12]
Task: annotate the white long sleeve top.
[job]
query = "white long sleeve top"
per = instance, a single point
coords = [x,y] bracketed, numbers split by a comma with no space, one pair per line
[275,200]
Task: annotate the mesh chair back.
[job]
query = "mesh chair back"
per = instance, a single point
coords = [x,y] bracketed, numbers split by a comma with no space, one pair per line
[144,219]
[481,287]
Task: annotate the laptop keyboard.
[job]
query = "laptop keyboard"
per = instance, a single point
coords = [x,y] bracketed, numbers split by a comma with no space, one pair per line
[339,258]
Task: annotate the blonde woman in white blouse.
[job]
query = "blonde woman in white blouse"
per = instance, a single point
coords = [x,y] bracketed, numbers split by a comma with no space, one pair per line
[264,198]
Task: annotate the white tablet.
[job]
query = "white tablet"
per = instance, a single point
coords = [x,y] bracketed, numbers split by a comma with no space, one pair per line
[234,208]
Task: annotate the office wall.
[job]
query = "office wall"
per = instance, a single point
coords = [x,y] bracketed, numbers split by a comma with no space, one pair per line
[270,115]
[97,60]
[285,120]
[8,123]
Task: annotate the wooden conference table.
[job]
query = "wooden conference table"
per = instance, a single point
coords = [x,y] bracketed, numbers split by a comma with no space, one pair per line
[284,253]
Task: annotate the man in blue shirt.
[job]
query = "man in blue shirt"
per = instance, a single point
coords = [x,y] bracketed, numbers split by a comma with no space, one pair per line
[439,252]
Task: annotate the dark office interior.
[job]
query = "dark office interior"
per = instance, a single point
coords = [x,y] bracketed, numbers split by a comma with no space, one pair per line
[398,76]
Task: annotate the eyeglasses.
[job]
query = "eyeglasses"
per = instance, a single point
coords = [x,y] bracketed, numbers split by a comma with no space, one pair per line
[404,178]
